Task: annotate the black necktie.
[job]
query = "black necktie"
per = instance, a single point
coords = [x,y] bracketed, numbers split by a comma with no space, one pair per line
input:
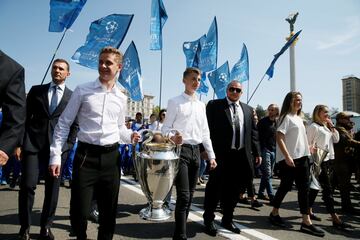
[237,126]
[54,100]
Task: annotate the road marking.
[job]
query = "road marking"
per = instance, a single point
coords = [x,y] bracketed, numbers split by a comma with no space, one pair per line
[196,216]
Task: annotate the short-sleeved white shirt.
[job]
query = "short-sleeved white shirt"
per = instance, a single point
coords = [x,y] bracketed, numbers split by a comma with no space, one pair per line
[296,141]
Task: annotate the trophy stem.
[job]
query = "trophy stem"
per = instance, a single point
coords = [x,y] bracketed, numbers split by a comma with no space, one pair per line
[155,214]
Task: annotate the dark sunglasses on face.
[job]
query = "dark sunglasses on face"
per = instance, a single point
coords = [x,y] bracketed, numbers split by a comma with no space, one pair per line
[237,90]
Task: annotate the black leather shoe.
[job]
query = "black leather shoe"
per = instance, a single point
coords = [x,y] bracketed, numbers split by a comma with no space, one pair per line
[210,229]
[46,234]
[342,225]
[311,229]
[231,227]
[24,234]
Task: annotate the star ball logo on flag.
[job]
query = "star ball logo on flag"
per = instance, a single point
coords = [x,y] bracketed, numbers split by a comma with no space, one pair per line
[107,31]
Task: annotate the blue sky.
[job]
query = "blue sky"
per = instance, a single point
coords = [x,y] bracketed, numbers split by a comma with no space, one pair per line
[328,48]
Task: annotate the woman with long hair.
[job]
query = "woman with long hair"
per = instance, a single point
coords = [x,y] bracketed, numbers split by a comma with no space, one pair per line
[322,135]
[292,155]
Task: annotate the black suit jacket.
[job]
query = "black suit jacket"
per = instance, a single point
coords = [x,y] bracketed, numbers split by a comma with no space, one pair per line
[40,123]
[13,103]
[221,130]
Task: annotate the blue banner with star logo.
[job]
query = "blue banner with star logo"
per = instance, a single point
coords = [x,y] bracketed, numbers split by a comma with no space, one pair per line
[108,31]
[219,79]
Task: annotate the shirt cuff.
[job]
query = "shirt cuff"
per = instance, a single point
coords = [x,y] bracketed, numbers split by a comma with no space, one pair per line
[55,160]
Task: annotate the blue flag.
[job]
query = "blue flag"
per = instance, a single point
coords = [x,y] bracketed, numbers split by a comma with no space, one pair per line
[192,51]
[130,75]
[240,71]
[107,31]
[219,79]
[270,70]
[208,54]
[203,88]
[63,13]
[157,21]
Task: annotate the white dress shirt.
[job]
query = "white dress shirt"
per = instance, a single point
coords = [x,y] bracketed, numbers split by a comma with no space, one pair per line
[59,92]
[101,116]
[323,138]
[188,115]
[241,123]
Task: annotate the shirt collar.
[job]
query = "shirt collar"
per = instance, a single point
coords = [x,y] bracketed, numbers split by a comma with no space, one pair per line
[115,89]
[188,97]
[60,86]
[237,103]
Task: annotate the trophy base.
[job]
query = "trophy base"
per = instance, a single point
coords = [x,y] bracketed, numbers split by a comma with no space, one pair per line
[155,214]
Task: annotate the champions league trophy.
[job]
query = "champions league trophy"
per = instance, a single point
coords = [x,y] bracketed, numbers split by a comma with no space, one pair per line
[156,166]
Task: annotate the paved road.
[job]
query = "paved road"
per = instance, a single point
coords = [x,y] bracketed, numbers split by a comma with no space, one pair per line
[254,224]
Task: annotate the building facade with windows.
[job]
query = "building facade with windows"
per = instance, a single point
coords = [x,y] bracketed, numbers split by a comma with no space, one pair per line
[146,106]
[351,93]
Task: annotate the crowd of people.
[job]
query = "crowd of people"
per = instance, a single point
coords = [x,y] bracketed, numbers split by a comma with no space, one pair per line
[83,136]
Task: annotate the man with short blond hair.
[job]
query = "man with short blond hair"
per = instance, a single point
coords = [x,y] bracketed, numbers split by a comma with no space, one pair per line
[100,107]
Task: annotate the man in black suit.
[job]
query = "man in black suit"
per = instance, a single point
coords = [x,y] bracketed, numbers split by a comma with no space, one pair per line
[13,104]
[234,137]
[45,103]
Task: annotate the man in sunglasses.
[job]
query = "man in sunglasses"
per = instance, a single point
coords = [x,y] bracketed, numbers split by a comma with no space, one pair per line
[234,137]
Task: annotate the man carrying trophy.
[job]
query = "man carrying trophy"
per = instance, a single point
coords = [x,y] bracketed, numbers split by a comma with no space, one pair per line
[187,114]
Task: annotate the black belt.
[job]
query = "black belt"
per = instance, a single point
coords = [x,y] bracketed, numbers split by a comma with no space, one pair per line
[98,148]
[196,146]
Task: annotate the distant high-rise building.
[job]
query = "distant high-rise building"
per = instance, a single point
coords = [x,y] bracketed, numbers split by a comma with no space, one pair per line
[351,93]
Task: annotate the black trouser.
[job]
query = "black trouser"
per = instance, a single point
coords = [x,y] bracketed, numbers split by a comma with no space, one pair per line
[185,183]
[299,174]
[343,170]
[96,169]
[225,183]
[31,164]
[324,181]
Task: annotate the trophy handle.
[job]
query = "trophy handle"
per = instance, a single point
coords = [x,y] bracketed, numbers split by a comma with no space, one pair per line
[146,136]
[178,146]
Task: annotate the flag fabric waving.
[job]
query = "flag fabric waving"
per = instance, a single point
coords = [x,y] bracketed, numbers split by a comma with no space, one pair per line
[209,48]
[192,51]
[107,31]
[157,22]
[270,70]
[240,71]
[63,13]
[130,75]
[219,79]
[203,88]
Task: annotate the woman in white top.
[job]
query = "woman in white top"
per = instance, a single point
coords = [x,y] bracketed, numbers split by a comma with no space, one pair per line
[322,134]
[292,155]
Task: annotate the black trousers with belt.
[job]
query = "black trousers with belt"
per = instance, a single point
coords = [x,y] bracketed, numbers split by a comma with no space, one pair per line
[95,170]
[185,183]
[232,174]
[31,165]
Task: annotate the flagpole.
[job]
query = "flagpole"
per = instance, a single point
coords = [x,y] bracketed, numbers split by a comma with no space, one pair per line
[52,59]
[161,65]
[256,89]
[248,90]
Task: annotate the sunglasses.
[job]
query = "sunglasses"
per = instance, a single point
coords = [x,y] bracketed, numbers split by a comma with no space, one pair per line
[237,90]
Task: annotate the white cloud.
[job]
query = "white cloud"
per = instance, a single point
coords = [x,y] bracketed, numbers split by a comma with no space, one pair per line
[352,30]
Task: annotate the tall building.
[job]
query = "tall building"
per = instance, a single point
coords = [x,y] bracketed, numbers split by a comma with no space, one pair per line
[145,106]
[351,93]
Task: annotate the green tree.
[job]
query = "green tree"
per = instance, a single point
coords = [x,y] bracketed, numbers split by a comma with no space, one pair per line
[260,111]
